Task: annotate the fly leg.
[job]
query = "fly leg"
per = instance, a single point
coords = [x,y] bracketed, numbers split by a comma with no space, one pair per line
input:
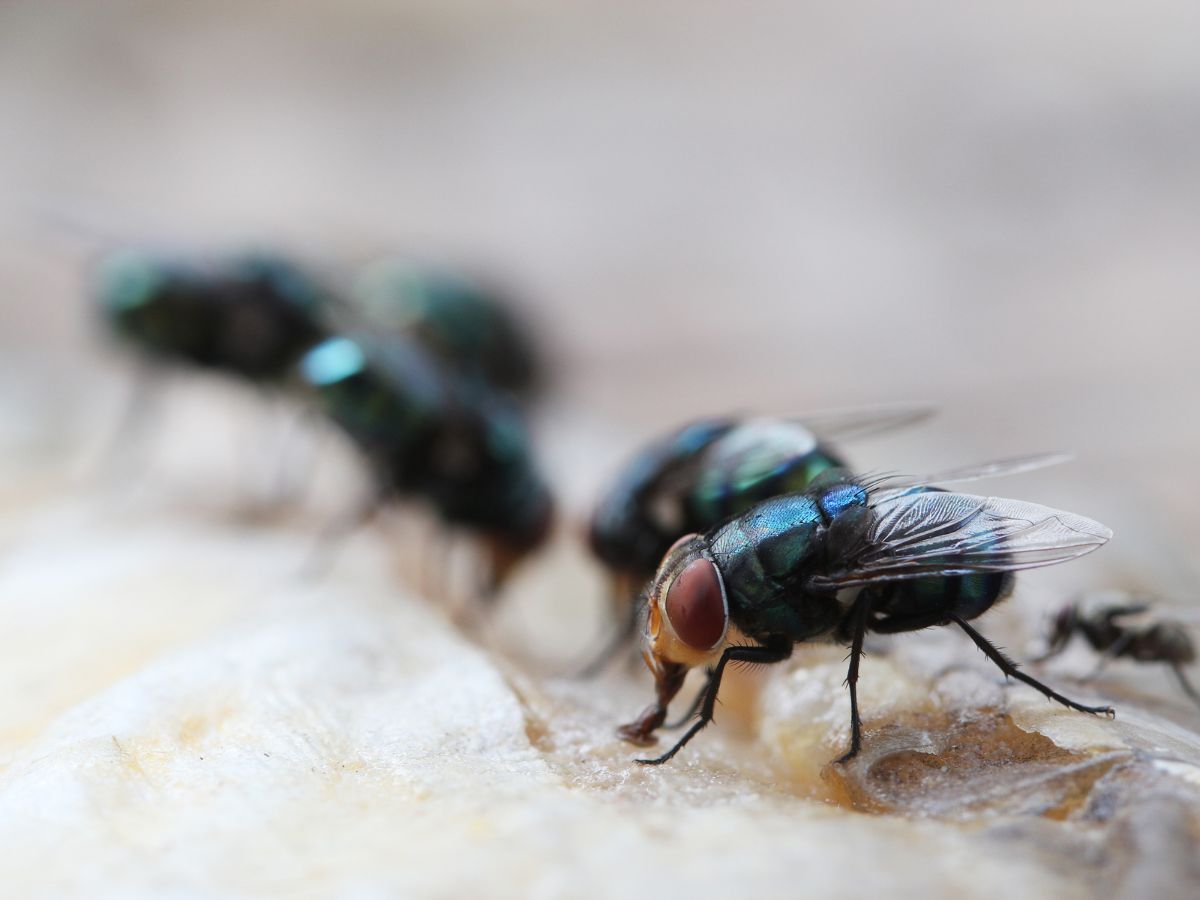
[325,548]
[668,679]
[433,565]
[694,708]
[1188,687]
[770,653]
[293,471]
[1009,668]
[857,618]
[141,406]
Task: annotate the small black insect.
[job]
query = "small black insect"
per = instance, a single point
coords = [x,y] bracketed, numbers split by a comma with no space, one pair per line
[1127,629]
[429,434]
[472,328]
[833,562]
[252,316]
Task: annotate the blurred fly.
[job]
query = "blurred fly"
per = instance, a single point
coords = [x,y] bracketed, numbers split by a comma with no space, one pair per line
[425,433]
[250,316]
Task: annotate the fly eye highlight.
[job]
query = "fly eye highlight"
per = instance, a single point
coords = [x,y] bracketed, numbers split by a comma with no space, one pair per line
[695,605]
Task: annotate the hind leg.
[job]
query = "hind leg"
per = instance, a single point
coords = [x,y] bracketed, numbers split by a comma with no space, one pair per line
[1010,669]
[138,410]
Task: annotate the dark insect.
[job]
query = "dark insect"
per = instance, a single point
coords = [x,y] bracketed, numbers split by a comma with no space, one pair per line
[469,327]
[430,435]
[252,316]
[836,561]
[701,475]
[1126,629]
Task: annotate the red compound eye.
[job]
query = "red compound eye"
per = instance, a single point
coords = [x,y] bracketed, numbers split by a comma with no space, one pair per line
[695,605]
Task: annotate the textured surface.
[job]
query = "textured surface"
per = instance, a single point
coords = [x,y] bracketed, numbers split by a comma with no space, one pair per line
[186,713]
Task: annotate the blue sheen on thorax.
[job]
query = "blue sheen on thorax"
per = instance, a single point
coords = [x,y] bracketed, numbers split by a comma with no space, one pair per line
[782,531]
[841,497]
[772,540]
[781,514]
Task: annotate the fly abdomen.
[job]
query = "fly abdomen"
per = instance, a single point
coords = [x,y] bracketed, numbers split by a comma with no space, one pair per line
[964,596]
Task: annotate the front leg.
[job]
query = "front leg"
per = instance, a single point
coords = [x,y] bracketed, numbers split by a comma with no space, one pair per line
[694,707]
[668,679]
[773,652]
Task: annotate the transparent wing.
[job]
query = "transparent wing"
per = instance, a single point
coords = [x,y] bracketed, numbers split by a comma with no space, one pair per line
[943,533]
[846,424]
[898,485]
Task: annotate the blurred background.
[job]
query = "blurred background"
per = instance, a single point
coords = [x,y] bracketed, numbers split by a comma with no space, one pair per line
[992,208]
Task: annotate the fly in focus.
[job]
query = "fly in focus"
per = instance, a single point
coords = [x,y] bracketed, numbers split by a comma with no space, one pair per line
[840,559]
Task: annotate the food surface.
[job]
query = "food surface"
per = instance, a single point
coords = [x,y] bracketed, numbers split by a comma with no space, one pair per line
[188,709]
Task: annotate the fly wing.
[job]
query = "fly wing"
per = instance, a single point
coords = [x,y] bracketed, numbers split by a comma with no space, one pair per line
[898,485]
[943,533]
[846,424]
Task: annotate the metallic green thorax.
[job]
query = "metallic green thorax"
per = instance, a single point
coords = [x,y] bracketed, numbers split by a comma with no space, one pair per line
[764,557]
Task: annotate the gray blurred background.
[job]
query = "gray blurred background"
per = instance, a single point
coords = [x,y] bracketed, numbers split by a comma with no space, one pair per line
[993,208]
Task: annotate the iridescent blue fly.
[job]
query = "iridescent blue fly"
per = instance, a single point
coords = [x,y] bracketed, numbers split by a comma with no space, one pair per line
[838,560]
